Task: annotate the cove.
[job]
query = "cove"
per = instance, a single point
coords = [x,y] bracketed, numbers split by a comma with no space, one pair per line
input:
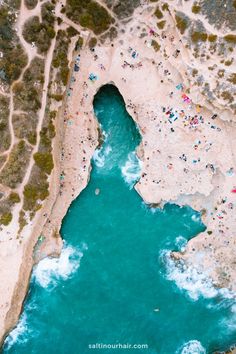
[109,285]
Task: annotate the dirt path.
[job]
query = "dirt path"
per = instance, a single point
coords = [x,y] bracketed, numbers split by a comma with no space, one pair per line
[31,53]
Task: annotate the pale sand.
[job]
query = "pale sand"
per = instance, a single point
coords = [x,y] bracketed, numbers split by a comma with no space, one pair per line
[164,176]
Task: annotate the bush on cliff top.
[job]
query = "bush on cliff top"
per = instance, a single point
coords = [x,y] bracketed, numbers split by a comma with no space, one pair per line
[89,14]
[44,161]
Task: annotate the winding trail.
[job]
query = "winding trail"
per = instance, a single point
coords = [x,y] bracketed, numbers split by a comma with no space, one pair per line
[31,52]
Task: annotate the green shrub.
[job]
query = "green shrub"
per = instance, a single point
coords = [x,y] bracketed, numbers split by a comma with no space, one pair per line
[196,8]
[14,58]
[6,218]
[30,4]
[92,42]
[40,33]
[44,161]
[155,45]
[4,124]
[2,160]
[227,96]
[34,192]
[71,31]
[57,97]
[89,14]
[230,38]
[15,168]
[181,23]
[232,78]
[161,24]
[79,43]
[60,60]
[212,37]
[158,13]
[24,125]
[165,7]
[124,9]
[229,62]
[14,198]
[22,221]
[198,36]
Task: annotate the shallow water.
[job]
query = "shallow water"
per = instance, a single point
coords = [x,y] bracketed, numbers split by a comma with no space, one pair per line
[114,282]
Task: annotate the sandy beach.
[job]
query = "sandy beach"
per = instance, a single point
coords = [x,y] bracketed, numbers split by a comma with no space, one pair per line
[187,150]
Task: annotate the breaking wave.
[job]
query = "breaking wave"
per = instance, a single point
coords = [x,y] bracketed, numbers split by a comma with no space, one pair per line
[191,347]
[131,170]
[19,334]
[181,243]
[50,270]
[193,281]
[100,155]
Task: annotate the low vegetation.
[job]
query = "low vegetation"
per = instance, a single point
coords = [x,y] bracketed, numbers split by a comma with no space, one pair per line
[2,160]
[230,38]
[60,60]
[212,37]
[79,43]
[158,13]
[14,198]
[13,57]
[6,206]
[111,34]
[161,24]
[41,33]
[4,125]
[30,4]
[124,9]
[196,8]
[232,78]
[89,14]
[156,46]
[220,14]
[27,93]
[5,219]
[15,168]
[198,36]
[24,125]
[35,191]
[226,95]
[44,161]
[182,22]
[92,42]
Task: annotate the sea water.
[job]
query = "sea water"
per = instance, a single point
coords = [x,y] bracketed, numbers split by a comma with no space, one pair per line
[115,282]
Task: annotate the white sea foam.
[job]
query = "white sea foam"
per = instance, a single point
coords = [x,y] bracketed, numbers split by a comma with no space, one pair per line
[181,243]
[98,158]
[50,270]
[188,278]
[100,155]
[131,170]
[229,323]
[196,218]
[20,333]
[194,282]
[191,347]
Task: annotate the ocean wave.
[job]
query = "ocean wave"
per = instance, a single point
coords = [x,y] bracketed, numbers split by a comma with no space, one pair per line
[19,334]
[181,243]
[50,270]
[131,170]
[100,155]
[229,323]
[191,347]
[188,278]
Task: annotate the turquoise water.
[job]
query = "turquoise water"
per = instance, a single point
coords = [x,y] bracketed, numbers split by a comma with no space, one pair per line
[112,283]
